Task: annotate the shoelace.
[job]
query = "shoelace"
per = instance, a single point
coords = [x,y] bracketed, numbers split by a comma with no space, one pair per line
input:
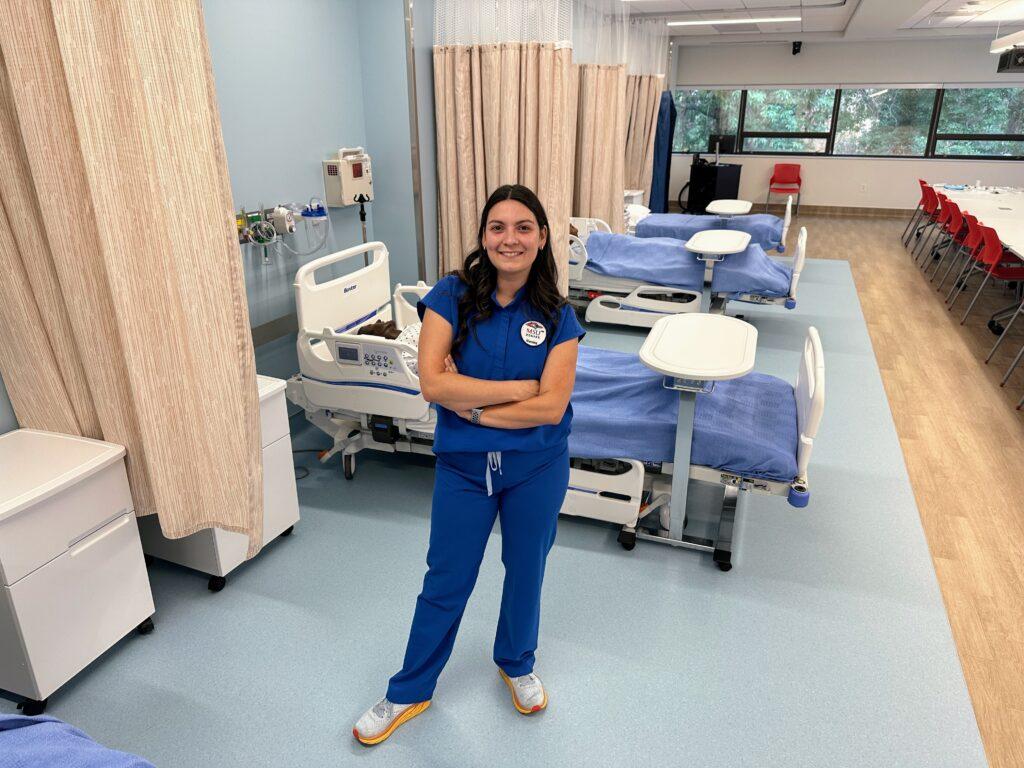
[524,680]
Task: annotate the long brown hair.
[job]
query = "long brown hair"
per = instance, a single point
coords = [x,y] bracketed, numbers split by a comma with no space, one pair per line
[481,277]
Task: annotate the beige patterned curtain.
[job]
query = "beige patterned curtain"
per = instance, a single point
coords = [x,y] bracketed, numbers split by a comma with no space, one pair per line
[601,123]
[502,113]
[122,302]
[643,95]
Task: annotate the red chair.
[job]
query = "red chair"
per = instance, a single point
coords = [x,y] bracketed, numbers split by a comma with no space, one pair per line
[951,230]
[915,215]
[938,218]
[785,181]
[929,212]
[993,261]
[962,254]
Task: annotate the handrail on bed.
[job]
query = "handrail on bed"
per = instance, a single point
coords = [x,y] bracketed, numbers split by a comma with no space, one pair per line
[786,222]
[798,262]
[810,398]
[586,225]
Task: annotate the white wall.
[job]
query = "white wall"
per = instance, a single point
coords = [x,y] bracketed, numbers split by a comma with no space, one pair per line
[836,181]
[857,182]
[951,61]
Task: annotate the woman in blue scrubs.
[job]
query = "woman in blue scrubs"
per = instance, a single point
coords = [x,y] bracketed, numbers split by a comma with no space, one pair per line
[497,355]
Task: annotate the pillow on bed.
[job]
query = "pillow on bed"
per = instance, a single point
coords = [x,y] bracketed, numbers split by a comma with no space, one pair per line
[411,335]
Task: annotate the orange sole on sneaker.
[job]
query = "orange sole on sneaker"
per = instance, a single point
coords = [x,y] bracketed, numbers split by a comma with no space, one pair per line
[405,717]
[519,708]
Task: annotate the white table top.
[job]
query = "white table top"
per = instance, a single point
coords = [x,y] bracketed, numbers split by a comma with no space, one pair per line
[718,242]
[1003,211]
[729,207]
[701,347]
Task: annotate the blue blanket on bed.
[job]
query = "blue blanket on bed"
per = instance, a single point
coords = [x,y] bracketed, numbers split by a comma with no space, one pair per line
[621,410]
[664,261]
[45,742]
[765,230]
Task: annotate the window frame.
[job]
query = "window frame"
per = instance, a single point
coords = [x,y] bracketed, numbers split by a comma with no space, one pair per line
[931,140]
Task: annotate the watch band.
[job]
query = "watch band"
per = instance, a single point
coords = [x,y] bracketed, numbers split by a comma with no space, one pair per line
[475,414]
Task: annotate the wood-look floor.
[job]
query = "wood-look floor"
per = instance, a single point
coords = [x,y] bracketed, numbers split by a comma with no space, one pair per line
[963,442]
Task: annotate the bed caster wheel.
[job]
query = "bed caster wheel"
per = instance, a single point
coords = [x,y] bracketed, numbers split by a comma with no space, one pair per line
[32,707]
[348,465]
[217,583]
[146,627]
[724,567]
[287,531]
[995,327]
[627,539]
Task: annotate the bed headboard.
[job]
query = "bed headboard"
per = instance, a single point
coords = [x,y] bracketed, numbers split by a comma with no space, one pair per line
[340,302]
[810,398]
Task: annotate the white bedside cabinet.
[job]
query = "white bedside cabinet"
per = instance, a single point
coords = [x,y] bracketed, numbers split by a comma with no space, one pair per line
[72,575]
[218,552]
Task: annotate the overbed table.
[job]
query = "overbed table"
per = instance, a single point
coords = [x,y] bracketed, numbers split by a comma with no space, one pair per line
[729,208]
[693,351]
[711,246]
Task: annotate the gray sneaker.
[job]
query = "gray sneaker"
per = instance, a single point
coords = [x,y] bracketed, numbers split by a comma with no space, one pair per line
[381,720]
[528,692]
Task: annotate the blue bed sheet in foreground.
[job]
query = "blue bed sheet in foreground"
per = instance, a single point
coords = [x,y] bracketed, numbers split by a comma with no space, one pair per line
[765,230]
[622,411]
[45,742]
[665,261]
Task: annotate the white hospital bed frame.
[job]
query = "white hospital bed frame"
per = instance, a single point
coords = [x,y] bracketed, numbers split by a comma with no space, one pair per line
[370,399]
[620,301]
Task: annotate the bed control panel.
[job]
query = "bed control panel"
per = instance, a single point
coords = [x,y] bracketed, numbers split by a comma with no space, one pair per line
[375,360]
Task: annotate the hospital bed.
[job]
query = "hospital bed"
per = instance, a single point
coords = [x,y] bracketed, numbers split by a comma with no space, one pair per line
[764,229]
[631,281]
[361,391]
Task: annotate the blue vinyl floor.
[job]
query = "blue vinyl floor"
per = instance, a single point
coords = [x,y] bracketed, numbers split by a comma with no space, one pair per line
[826,645]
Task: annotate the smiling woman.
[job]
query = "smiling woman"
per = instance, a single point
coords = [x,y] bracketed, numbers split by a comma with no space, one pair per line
[497,356]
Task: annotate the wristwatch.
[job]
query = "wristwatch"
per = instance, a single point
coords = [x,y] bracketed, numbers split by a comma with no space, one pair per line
[475,414]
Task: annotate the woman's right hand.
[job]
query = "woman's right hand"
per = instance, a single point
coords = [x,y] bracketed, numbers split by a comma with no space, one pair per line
[524,389]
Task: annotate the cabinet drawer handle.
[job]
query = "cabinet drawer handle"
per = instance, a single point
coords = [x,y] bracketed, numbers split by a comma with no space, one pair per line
[79,549]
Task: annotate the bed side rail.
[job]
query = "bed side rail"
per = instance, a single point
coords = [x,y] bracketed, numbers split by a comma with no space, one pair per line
[404,310]
[342,302]
[810,398]
[798,262]
[785,223]
[577,257]
[586,225]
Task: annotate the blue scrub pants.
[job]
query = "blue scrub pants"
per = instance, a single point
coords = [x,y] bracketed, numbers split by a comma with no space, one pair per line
[527,493]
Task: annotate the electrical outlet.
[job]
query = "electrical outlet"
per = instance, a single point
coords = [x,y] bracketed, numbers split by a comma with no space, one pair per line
[863,187]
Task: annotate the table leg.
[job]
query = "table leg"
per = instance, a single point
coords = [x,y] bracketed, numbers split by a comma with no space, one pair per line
[681,463]
[705,295]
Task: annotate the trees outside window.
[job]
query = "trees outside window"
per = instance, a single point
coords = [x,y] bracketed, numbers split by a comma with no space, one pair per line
[870,122]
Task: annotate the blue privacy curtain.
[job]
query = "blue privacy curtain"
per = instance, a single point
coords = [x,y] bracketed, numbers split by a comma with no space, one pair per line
[663,153]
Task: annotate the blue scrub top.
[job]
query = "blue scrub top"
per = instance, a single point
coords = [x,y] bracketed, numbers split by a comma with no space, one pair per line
[495,350]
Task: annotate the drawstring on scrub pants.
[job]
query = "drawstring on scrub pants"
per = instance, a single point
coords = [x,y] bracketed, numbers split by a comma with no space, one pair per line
[493,463]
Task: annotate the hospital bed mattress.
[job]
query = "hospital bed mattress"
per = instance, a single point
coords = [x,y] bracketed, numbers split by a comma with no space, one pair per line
[747,426]
[46,741]
[764,229]
[665,261]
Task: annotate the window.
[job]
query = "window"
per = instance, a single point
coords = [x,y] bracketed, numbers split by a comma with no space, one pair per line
[701,114]
[874,121]
[884,121]
[981,122]
[788,120]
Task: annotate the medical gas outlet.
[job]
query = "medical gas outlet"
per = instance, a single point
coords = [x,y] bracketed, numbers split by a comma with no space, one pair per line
[347,176]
